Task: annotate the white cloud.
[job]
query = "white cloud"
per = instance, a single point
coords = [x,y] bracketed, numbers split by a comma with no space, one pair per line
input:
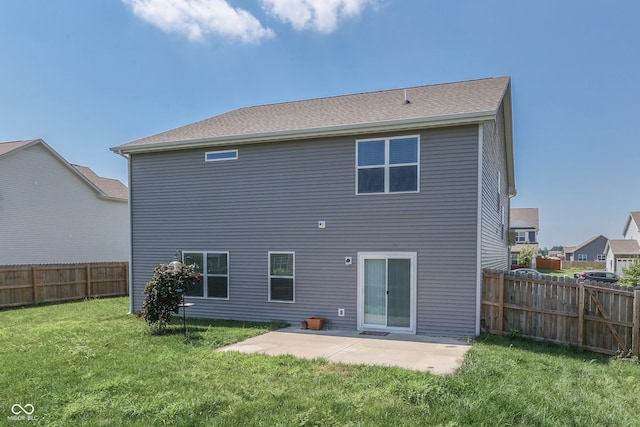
[197,18]
[321,15]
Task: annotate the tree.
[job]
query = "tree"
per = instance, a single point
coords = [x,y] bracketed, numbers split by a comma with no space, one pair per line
[164,292]
[631,275]
[526,255]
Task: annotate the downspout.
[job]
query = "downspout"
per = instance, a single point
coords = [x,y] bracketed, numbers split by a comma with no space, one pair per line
[119,152]
[479,232]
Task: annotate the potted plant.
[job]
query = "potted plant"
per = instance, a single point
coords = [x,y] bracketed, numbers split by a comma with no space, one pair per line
[315,323]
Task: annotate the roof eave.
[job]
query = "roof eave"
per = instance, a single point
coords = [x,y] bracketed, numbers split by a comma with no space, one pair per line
[287,135]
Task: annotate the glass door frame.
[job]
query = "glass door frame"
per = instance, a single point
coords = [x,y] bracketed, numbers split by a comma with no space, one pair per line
[413,257]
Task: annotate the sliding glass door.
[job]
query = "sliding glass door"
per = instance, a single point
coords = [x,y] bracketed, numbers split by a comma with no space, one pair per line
[387,291]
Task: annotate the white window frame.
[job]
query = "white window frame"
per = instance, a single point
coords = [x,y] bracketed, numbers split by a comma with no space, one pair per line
[583,257]
[204,276]
[387,166]
[270,276]
[525,234]
[221,152]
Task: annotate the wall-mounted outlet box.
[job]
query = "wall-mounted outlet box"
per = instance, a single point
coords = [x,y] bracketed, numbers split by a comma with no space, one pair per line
[322,224]
[348,260]
[341,312]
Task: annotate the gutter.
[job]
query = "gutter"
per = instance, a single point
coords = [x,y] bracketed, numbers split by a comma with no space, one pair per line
[120,153]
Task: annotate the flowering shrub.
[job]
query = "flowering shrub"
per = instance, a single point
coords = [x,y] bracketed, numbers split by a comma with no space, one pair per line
[164,291]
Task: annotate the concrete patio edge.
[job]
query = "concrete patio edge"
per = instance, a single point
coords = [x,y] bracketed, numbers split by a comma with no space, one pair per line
[437,355]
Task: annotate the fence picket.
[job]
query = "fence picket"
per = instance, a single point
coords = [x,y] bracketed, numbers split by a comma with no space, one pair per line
[597,317]
[61,282]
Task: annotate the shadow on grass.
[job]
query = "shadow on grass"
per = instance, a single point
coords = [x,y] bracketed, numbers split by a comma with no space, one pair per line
[541,347]
[197,331]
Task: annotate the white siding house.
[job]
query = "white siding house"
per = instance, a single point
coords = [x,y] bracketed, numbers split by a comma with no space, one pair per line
[632,227]
[55,212]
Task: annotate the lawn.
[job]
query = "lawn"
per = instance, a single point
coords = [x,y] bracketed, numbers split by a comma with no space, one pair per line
[89,363]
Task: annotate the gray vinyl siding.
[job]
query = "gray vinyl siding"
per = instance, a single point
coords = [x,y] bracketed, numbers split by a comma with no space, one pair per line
[271,199]
[48,214]
[495,241]
[592,249]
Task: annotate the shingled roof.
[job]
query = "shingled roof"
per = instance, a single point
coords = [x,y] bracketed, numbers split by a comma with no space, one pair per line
[434,105]
[624,247]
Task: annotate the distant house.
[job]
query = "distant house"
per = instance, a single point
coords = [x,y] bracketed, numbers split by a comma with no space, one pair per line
[632,227]
[376,211]
[621,253]
[524,226]
[55,212]
[590,250]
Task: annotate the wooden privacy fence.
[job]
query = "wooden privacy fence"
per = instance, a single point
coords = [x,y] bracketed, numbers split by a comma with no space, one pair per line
[32,284]
[548,263]
[585,265]
[595,316]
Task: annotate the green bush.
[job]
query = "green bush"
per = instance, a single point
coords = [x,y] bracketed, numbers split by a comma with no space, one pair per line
[631,276]
[165,290]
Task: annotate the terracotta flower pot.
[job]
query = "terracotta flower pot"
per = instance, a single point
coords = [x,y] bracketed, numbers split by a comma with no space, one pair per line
[315,323]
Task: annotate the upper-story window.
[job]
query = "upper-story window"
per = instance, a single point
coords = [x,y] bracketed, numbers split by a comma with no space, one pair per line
[525,237]
[388,165]
[216,156]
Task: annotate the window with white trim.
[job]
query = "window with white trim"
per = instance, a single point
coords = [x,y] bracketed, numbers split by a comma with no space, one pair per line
[582,257]
[521,236]
[388,165]
[216,156]
[282,276]
[601,257]
[213,268]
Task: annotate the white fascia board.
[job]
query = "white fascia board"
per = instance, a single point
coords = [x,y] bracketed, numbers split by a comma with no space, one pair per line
[389,126]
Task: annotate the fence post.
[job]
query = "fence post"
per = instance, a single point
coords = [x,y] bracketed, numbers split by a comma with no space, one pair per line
[580,314]
[635,334]
[501,302]
[88,281]
[34,271]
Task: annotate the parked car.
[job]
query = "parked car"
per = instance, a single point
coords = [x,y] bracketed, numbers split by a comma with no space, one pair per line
[598,276]
[525,271]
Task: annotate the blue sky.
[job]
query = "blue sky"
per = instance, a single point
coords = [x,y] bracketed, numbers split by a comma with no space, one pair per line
[89,75]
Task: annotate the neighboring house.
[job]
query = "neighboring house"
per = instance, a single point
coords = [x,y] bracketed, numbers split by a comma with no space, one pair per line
[376,211]
[524,227]
[591,250]
[632,227]
[621,253]
[55,212]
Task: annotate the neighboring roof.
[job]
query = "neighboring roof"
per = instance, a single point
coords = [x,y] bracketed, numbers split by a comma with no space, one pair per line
[8,147]
[105,187]
[623,247]
[110,187]
[635,216]
[569,249]
[524,218]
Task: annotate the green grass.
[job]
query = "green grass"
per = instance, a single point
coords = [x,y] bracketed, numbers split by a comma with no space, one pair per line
[569,272]
[89,363]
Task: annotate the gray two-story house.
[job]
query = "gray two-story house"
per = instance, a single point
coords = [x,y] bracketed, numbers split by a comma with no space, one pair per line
[376,211]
